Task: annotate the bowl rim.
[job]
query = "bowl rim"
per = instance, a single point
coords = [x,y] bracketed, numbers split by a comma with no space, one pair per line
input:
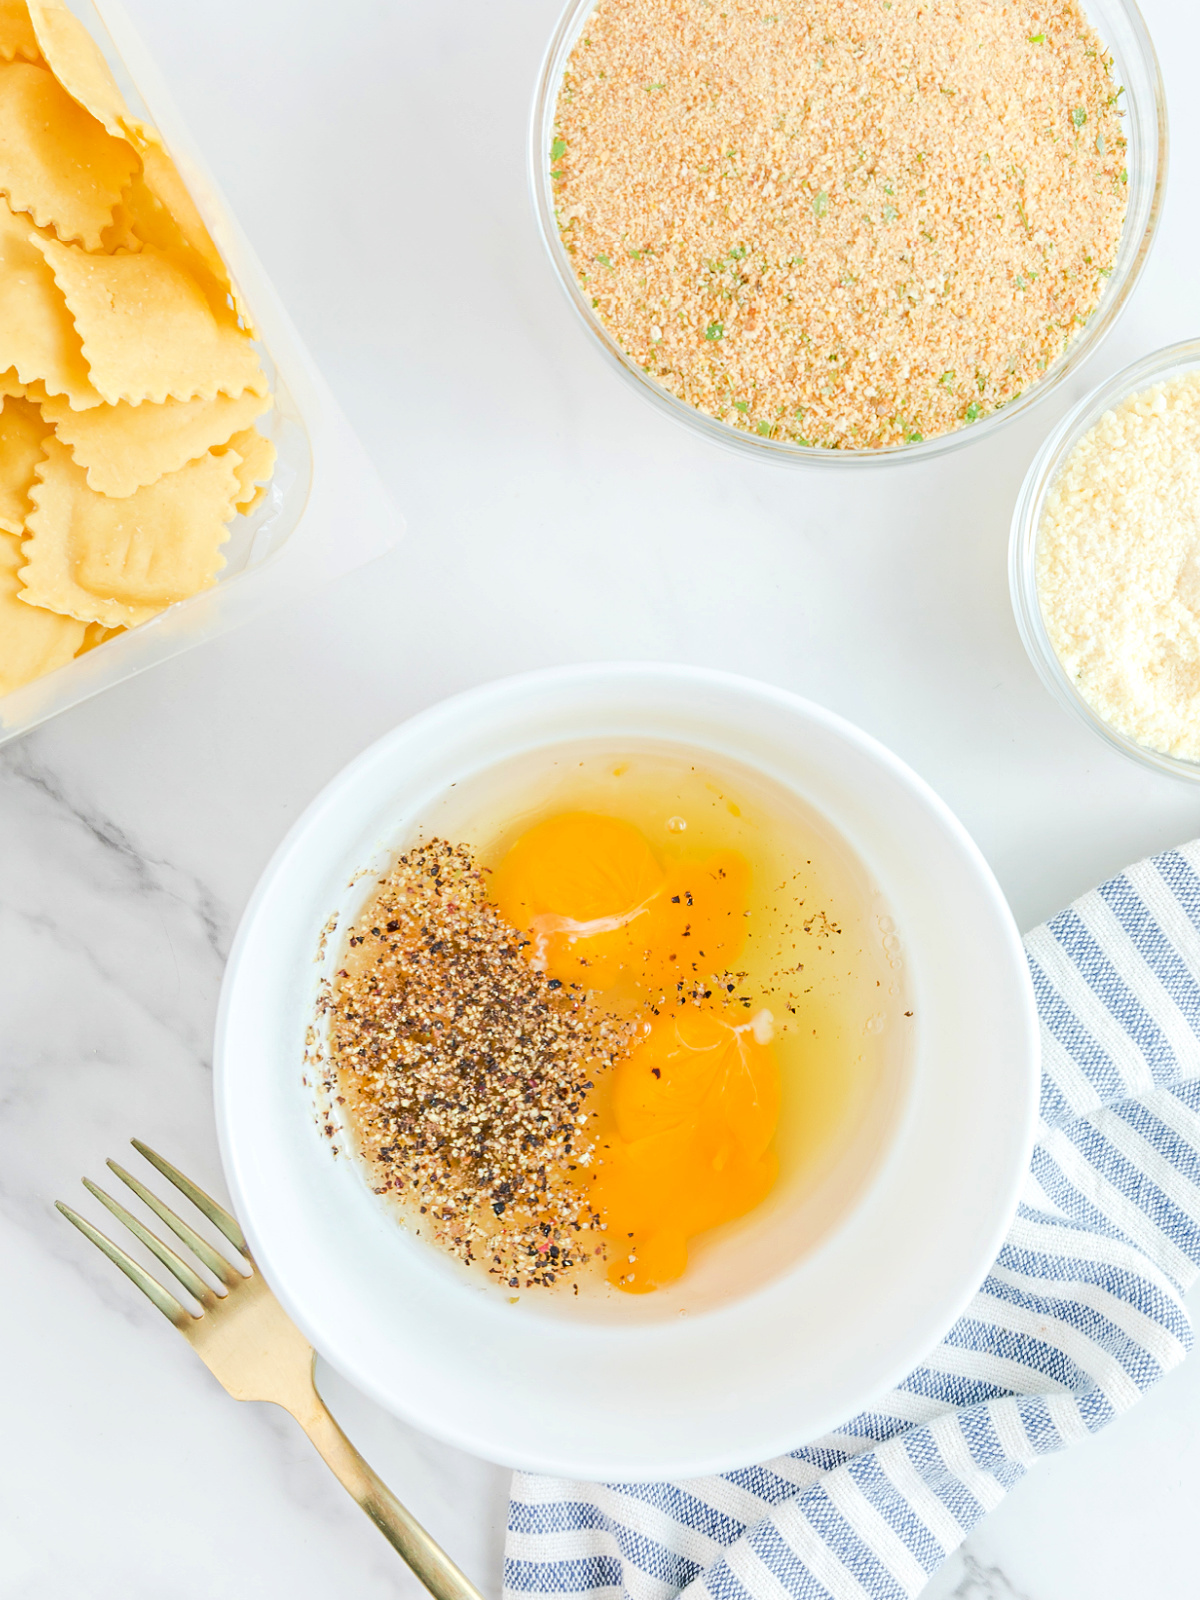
[1156,367]
[781,452]
[929,1325]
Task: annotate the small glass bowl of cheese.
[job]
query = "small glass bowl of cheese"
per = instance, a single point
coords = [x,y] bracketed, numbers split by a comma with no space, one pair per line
[1104,561]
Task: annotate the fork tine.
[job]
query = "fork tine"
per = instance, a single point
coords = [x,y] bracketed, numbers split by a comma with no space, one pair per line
[191,1281]
[166,1303]
[217,1215]
[229,1275]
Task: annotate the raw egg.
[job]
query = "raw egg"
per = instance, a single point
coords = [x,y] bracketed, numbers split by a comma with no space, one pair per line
[683,1127]
[599,906]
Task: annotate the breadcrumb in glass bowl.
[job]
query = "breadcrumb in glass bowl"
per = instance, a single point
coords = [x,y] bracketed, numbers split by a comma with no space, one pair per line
[740,399]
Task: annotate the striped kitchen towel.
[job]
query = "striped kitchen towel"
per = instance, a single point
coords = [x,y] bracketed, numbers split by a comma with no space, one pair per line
[1081,1314]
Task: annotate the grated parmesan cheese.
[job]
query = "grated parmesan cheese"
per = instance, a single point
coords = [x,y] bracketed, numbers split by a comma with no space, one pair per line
[1118,567]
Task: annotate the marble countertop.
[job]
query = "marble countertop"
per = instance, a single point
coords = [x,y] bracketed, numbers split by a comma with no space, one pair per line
[375,153]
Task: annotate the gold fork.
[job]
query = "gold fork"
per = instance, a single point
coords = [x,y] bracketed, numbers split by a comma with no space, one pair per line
[250,1344]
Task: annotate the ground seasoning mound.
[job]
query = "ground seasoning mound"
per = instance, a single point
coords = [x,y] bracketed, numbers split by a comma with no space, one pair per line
[464,1071]
[850,223]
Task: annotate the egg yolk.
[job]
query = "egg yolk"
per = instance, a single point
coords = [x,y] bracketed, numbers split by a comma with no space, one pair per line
[684,1124]
[684,1142]
[599,906]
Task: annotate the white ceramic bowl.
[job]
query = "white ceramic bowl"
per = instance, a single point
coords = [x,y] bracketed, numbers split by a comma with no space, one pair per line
[766,1371]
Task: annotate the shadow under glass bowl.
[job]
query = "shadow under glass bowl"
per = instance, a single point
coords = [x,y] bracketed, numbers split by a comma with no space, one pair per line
[1135,68]
[1172,362]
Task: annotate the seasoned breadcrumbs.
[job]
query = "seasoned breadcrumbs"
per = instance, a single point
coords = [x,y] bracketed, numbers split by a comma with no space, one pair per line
[848,223]
[465,1071]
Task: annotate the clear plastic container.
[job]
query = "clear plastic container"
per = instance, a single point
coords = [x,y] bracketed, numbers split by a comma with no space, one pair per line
[325,513]
[1172,362]
[1135,66]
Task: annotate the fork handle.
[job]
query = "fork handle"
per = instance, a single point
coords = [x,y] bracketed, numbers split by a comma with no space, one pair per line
[398,1525]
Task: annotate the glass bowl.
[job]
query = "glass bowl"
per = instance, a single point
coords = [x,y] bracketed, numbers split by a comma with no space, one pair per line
[1135,66]
[1172,362]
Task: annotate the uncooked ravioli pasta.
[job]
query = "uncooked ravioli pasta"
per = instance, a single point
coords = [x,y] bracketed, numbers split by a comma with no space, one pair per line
[130,386]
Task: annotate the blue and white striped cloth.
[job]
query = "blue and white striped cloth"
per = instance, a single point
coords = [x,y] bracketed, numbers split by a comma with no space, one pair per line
[1080,1315]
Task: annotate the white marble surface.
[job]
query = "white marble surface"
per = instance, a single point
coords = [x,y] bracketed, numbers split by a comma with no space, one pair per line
[375,151]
